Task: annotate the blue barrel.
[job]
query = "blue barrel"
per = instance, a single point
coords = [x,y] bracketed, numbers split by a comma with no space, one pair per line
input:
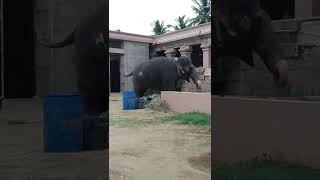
[63,126]
[130,100]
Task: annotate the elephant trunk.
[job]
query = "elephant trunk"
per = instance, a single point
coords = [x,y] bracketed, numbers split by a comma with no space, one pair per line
[195,78]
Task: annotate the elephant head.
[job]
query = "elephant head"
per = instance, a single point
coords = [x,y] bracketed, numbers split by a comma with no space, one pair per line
[187,71]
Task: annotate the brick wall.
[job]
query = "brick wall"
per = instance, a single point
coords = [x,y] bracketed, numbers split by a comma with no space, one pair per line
[136,53]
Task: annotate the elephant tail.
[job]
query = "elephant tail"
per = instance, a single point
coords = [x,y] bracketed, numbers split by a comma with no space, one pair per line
[67,41]
[127,75]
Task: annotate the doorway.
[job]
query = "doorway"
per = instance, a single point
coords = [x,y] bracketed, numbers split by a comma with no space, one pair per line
[197,56]
[115,74]
[18,44]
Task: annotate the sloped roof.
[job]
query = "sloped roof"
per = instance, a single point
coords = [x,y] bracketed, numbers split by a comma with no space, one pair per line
[190,32]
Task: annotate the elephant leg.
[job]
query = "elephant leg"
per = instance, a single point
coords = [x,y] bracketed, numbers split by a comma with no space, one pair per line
[179,84]
[92,78]
[139,91]
[169,84]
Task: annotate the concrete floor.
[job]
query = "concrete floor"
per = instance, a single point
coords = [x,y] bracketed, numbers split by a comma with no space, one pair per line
[21,152]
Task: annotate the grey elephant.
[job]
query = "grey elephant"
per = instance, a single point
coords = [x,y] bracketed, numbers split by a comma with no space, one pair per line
[243,27]
[164,74]
[91,60]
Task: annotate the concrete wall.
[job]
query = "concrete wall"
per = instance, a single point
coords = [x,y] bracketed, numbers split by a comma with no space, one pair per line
[183,102]
[136,53]
[245,128]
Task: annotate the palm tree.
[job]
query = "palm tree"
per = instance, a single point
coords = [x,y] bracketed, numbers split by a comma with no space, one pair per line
[159,28]
[181,23]
[203,11]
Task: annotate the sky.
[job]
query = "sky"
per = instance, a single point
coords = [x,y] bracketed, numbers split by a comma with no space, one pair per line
[136,16]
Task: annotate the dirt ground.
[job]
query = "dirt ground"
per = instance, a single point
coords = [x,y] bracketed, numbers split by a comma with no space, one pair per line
[147,148]
[142,147]
[21,148]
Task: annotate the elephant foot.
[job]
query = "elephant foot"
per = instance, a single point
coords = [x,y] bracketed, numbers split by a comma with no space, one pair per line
[281,77]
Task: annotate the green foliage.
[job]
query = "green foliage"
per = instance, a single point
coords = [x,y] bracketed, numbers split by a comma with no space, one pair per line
[159,27]
[123,121]
[158,104]
[181,23]
[194,118]
[203,10]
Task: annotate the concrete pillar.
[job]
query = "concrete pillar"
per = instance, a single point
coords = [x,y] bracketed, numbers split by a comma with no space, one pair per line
[315,8]
[170,53]
[109,75]
[303,8]
[186,51]
[307,8]
[123,70]
[206,49]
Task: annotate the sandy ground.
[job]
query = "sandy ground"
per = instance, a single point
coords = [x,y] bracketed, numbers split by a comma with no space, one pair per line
[21,152]
[141,148]
[155,150]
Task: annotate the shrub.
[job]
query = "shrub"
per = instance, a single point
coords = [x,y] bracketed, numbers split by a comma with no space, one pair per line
[158,104]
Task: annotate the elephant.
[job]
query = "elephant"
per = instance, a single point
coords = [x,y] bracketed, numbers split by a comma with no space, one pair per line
[89,38]
[243,27]
[164,74]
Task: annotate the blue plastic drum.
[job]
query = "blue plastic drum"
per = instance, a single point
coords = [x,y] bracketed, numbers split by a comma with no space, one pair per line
[63,126]
[130,100]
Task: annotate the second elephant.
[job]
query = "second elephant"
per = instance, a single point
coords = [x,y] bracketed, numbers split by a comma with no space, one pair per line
[243,27]
[162,73]
[91,59]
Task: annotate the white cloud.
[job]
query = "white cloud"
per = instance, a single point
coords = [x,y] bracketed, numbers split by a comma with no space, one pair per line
[136,16]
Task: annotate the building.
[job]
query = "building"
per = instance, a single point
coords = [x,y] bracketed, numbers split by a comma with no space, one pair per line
[128,50]
[28,69]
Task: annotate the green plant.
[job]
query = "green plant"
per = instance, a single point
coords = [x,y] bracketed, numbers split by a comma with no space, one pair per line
[124,121]
[203,10]
[159,27]
[158,104]
[194,118]
[182,23]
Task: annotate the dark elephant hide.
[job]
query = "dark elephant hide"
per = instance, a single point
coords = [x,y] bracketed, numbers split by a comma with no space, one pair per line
[161,73]
[243,27]
[91,59]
